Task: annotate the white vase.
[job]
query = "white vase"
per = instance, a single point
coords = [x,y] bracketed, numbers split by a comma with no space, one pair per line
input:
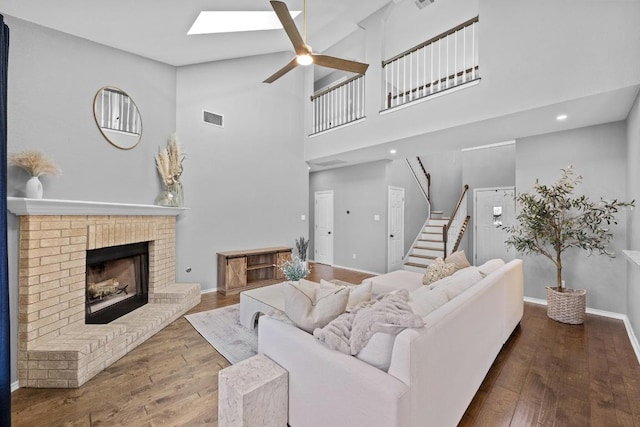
[33,189]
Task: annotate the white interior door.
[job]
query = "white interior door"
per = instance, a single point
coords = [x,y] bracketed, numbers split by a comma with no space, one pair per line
[395,248]
[492,209]
[323,237]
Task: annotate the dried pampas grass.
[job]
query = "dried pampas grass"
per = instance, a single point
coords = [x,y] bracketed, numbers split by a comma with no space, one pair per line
[34,162]
[169,161]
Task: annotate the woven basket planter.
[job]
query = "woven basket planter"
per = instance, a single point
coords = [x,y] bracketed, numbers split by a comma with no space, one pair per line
[567,306]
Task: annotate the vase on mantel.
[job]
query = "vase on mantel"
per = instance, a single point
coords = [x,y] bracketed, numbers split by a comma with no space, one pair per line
[171,196]
[33,188]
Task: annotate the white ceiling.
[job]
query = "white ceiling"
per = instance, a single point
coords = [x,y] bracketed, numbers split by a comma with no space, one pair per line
[157,29]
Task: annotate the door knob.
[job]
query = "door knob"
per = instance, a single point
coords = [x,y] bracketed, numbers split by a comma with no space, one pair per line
[329,232]
[391,235]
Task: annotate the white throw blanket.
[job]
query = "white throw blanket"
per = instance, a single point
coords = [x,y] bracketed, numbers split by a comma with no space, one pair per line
[350,332]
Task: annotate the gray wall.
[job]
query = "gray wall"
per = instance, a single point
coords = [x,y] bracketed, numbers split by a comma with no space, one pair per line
[361,190]
[633,233]
[416,207]
[486,168]
[445,168]
[53,78]
[598,153]
[246,183]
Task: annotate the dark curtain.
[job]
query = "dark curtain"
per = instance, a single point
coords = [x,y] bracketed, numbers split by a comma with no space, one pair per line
[5,346]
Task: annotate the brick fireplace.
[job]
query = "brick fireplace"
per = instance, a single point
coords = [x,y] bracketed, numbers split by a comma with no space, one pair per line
[56,348]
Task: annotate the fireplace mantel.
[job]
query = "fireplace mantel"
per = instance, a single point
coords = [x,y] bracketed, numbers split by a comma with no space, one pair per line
[22,206]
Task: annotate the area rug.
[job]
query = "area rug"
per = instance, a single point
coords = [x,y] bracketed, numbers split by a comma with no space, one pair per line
[222,329]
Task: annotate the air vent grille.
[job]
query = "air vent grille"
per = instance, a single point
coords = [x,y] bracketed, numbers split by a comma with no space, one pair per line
[212,118]
[423,3]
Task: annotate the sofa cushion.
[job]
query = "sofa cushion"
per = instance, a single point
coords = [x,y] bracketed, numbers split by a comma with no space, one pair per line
[458,259]
[424,300]
[357,293]
[437,270]
[490,266]
[398,279]
[459,282]
[310,306]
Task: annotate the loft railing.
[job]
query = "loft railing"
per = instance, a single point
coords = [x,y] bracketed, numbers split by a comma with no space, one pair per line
[420,174]
[338,105]
[445,61]
[456,225]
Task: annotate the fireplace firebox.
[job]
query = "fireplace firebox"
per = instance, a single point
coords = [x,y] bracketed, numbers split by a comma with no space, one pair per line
[117,281]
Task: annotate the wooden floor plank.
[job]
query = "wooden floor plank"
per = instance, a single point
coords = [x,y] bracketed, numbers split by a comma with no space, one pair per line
[547,374]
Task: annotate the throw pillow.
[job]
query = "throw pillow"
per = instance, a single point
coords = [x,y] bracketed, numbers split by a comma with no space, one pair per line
[357,293]
[378,350]
[459,259]
[437,270]
[309,306]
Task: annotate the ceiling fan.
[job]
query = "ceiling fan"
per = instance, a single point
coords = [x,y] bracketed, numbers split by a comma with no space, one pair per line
[304,55]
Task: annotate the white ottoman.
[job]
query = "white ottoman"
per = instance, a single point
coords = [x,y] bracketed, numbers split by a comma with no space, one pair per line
[254,392]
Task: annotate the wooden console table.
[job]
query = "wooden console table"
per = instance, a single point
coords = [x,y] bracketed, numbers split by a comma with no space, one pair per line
[248,269]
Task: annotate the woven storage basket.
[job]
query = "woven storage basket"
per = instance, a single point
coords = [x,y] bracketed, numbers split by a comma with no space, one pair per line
[567,306]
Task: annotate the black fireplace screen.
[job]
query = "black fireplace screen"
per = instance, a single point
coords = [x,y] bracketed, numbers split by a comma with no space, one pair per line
[117,281]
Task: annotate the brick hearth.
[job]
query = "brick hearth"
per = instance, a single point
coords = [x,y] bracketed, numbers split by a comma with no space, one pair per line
[56,347]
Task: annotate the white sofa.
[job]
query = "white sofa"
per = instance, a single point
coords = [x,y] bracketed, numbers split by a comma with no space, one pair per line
[435,371]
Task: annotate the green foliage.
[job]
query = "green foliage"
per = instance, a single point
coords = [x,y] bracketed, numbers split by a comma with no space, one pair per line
[551,220]
[294,269]
[301,246]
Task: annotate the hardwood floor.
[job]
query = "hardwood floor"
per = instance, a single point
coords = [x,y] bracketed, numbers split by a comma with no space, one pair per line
[547,374]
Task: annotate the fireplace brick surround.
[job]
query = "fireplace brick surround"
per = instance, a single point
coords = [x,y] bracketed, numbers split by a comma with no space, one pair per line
[56,349]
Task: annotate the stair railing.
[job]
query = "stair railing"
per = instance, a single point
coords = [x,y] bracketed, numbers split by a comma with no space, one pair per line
[445,61]
[452,230]
[339,104]
[420,174]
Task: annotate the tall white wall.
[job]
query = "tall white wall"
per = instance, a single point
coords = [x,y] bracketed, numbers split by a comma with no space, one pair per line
[633,232]
[599,154]
[53,78]
[532,54]
[246,183]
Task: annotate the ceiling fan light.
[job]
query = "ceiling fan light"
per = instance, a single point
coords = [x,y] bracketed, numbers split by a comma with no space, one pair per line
[305,59]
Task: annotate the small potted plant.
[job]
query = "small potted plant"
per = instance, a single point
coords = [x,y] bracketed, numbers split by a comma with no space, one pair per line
[294,270]
[551,220]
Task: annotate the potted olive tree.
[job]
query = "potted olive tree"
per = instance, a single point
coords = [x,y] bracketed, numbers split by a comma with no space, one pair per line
[550,220]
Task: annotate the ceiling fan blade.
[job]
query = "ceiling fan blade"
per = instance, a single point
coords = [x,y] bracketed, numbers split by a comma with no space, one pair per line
[340,64]
[282,11]
[282,71]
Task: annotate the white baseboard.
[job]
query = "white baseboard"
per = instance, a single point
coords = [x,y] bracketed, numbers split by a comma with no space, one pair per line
[625,319]
[208,291]
[14,386]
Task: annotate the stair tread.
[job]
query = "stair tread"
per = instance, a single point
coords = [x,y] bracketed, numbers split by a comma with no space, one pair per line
[429,248]
[429,240]
[414,264]
[423,256]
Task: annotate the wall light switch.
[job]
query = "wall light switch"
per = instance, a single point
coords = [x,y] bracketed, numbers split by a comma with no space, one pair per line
[376,217]
[303,217]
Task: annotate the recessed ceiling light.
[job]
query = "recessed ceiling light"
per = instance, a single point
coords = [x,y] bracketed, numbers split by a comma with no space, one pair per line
[393,151]
[561,117]
[209,22]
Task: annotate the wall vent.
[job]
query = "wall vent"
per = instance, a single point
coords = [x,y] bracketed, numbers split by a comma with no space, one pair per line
[212,118]
[423,3]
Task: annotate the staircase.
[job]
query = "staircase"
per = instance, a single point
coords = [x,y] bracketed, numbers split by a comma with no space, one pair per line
[428,246]
[439,236]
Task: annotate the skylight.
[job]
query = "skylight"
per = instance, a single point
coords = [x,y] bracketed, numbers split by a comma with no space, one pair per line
[209,22]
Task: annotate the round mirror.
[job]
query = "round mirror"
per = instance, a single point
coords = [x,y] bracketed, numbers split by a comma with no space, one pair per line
[117,117]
